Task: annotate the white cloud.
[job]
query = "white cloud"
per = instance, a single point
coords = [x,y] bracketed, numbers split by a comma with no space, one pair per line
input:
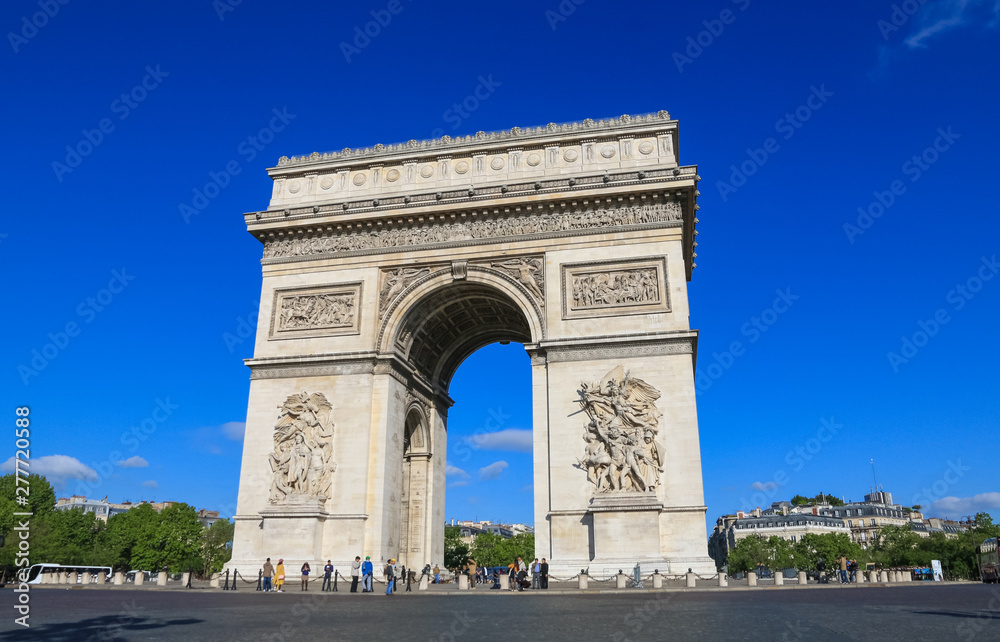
[528,489]
[936,18]
[151,484]
[512,439]
[763,486]
[133,462]
[454,471]
[57,469]
[493,470]
[962,506]
[458,484]
[234,430]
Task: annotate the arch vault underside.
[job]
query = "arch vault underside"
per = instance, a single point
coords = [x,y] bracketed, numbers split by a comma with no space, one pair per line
[385,268]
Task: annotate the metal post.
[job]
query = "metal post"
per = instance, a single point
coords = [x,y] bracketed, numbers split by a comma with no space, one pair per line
[260,579]
[187,584]
[235,573]
[225,585]
[335,574]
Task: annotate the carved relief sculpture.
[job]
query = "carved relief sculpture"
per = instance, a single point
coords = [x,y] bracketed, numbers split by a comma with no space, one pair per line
[528,272]
[302,462]
[394,282]
[316,311]
[615,288]
[621,453]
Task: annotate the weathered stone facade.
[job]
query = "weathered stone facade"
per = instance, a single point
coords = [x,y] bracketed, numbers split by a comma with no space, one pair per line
[384,268]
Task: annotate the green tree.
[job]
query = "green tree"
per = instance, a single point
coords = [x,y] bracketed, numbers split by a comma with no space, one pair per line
[66,537]
[217,546]
[41,499]
[750,553]
[828,547]
[456,552]
[493,550]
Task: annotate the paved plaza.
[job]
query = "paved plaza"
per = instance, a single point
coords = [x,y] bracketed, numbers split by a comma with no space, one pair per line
[917,612]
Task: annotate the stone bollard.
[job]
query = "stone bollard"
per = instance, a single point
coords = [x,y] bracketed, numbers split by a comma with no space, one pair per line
[140,577]
[43,578]
[102,578]
[907,575]
[463,582]
[884,577]
[424,582]
[723,579]
[85,578]
[873,576]
[779,579]
[214,580]
[657,580]
[620,580]
[161,578]
[185,578]
[803,578]
[859,577]
[582,581]
[63,577]
[119,578]
[691,580]
[751,578]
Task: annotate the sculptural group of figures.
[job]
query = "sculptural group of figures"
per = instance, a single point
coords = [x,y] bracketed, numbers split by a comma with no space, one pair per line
[301,462]
[620,287]
[515,225]
[317,311]
[621,453]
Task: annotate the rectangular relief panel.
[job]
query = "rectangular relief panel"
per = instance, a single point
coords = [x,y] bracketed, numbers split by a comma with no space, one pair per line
[319,311]
[615,288]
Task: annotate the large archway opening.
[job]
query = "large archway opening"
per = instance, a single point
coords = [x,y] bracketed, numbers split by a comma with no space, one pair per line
[468,453]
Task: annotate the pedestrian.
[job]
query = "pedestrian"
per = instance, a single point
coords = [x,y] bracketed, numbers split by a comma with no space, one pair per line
[536,573]
[367,571]
[821,571]
[268,574]
[511,575]
[388,571]
[327,576]
[473,574]
[279,583]
[544,571]
[396,575]
[305,576]
[843,569]
[409,580]
[355,571]
[852,567]
[437,574]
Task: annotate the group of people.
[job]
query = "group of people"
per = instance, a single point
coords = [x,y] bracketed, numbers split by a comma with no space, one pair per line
[273,577]
[848,570]
[517,574]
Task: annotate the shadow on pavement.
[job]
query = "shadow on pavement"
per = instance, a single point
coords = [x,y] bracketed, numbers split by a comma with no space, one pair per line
[109,627]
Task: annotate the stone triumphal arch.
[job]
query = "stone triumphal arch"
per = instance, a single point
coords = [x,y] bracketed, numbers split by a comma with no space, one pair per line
[385,267]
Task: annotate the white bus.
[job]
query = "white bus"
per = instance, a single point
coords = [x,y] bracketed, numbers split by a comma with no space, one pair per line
[76,572]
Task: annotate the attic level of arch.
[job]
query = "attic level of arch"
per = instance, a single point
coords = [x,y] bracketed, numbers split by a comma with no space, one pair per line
[665,179]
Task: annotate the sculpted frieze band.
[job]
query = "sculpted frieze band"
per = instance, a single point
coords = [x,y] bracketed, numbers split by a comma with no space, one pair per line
[484,228]
[601,288]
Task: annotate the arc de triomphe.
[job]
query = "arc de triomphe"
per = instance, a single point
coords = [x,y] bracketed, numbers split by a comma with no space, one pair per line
[385,267]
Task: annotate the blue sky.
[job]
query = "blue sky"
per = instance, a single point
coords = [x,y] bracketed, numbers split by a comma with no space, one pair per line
[117,116]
